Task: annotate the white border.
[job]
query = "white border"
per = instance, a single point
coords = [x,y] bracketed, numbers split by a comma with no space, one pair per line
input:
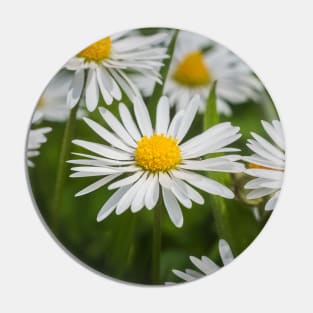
[275,38]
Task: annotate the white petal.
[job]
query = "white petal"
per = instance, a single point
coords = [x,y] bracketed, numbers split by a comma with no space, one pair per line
[188,117]
[261,152]
[255,159]
[257,183]
[212,133]
[204,183]
[98,184]
[219,164]
[125,181]
[181,195]
[87,174]
[143,117]
[162,116]
[96,169]
[205,265]
[92,91]
[165,180]
[75,91]
[111,85]
[225,252]
[103,150]
[184,276]
[117,127]
[74,64]
[152,194]
[175,124]
[274,134]
[124,85]
[107,136]
[172,207]
[271,203]
[129,122]
[193,273]
[97,158]
[128,197]
[138,42]
[139,200]
[268,146]
[193,194]
[259,193]
[103,85]
[265,173]
[111,203]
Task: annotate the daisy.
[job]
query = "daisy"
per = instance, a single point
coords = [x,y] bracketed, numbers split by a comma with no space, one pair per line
[36,138]
[147,163]
[52,103]
[267,164]
[205,265]
[193,72]
[103,67]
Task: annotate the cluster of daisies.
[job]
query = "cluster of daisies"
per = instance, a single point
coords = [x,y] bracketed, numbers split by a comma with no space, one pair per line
[143,160]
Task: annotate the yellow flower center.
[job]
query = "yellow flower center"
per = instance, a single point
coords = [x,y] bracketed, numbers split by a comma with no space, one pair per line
[98,51]
[192,71]
[157,153]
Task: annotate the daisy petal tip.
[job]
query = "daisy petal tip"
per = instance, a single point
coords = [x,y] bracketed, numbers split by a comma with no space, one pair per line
[102,110]
[99,218]
[229,194]
[179,224]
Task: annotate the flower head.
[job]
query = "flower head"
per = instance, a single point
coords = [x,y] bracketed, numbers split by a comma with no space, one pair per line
[51,105]
[155,161]
[105,65]
[267,164]
[205,265]
[36,137]
[193,71]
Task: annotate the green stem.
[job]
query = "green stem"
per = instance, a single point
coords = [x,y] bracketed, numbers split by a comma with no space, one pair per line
[61,171]
[218,204]
[158,89]
[156,252]
[157,93]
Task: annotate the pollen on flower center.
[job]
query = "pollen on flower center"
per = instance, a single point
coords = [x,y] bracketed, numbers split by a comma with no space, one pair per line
[192,71]
[157,153]
[98,51]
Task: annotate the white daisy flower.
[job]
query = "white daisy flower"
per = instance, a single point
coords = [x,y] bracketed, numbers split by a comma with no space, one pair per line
[155,161]
[103,67]
[52,103]
[36,138]
[193,72]
[205,265]
[267,164]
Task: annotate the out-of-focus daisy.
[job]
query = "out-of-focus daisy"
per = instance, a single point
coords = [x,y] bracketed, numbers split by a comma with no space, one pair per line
[52,103]
[205,265]
[36,138]
[103,68]
[193,72]
[267,164]
[148,163]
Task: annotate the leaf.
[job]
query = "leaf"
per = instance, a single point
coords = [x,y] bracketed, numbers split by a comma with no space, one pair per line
[217,203]
[210,117]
